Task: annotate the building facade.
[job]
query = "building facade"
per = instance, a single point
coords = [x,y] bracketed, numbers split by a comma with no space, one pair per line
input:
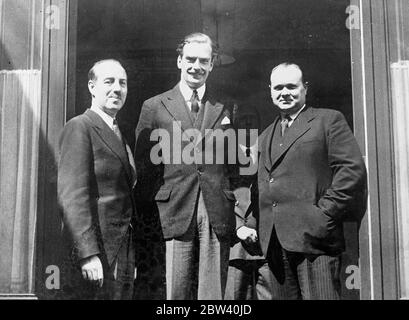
[356,54]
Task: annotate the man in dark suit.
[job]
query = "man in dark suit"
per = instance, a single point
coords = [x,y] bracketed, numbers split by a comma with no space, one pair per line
[243,280]
[190,188]
[311,178]
[96,177]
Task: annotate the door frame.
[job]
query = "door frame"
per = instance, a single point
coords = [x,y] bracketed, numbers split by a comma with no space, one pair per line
[373,129]
[58,68]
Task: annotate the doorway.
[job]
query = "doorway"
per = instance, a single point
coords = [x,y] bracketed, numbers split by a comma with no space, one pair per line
[254,36]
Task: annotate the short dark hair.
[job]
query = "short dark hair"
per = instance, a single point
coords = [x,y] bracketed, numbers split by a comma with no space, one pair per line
[198,37]
[289,64]
[91,73]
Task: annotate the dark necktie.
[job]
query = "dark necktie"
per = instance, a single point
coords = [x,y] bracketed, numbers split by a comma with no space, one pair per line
[194,102]
[117,132]
[284,124]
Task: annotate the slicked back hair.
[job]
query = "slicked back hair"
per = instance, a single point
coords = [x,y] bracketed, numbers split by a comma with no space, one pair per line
[287,64]
[198,37]
[91,73]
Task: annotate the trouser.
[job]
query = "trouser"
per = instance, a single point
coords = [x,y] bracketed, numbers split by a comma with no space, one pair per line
[246,280]
[119,279]
[293,275]
[197,263]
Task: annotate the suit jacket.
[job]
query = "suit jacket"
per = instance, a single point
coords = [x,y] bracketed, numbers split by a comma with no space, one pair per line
[174,185]
[95,188]
[310,183]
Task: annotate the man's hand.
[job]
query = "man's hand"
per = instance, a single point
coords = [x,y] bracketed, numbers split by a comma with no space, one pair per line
[246,234]
[91,269]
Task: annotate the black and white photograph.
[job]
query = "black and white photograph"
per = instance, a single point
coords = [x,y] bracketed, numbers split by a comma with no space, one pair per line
[216,150]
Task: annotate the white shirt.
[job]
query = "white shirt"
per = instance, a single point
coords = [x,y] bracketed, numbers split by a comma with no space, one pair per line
[187,92]
[110,122]
[294,116]
[106,117]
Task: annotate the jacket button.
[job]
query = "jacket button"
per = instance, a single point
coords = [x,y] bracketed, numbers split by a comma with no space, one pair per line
[236,203]
[281,144]
[192,139]
[271,180]
[274,204]
[199,172]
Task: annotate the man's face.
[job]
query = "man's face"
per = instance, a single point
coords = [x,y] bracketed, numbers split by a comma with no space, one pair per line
[195,64]
[110,87]
[287,90]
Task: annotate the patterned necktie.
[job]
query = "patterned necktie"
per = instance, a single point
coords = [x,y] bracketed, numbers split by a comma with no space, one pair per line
[116,130]
[284,124]
[194,102]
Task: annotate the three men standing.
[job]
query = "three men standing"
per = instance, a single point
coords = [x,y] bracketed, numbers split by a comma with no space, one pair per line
[96,176]
[194,200]
[311,178]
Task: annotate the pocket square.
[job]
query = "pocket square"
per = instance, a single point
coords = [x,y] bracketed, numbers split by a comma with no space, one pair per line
[226,120]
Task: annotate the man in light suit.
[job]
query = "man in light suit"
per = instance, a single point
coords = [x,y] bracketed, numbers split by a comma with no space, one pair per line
[192,195]
[96,177]
[311,178]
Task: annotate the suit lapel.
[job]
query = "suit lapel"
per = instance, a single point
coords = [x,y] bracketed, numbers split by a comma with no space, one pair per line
[266,144]
[132,168]
[300,126]
[174,102]
[110,139]
[212,112]
[176,106]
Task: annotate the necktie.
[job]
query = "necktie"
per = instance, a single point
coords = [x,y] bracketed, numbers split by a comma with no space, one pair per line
[284,124]
[194,102]
[116,130]
[131,162]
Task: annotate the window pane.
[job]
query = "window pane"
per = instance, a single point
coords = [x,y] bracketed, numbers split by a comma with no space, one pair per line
[399,32]
[20,108]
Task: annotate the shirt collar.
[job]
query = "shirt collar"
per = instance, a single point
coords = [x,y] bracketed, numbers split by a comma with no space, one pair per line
[187,91]
[105,117]
[295,115]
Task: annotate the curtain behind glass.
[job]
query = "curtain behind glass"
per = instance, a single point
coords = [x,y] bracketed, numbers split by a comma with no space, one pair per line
[20,93]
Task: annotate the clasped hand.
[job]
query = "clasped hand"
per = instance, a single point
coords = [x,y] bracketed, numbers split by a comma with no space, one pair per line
[91,269]
[246,234]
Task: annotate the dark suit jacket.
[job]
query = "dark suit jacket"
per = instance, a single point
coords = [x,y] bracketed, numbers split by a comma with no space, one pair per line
[94,188]
[175,186]
[311,183]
